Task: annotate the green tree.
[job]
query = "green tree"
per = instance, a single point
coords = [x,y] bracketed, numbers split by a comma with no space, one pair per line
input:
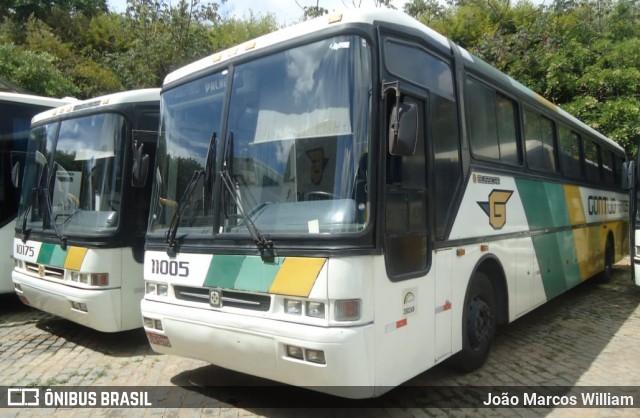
[35,72]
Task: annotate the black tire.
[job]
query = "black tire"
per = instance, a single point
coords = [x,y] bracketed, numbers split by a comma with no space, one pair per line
[609,255]
[478,324]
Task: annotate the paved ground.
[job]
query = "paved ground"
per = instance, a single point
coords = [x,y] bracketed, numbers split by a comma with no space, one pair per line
[587,337]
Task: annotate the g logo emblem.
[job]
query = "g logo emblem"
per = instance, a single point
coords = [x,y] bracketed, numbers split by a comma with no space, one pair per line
[496,207]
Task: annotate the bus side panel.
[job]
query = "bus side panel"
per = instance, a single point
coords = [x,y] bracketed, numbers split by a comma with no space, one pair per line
[132,284]
[6,260]
[404,326]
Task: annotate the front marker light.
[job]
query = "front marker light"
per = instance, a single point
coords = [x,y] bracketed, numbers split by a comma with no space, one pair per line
[315,309]
[293,307]
[295,352]
[347,310]
[148,322]
[150,288]
[162,290]
[315,356]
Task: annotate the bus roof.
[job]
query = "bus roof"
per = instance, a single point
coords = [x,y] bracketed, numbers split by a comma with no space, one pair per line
[370,16]
[34,100]
[363,15]
[132,96]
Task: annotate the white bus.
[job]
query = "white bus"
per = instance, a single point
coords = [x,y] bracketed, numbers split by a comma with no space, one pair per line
[16,111]
[345,203]
[79,238]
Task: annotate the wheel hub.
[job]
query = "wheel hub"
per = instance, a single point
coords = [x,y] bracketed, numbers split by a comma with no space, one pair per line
[480,322]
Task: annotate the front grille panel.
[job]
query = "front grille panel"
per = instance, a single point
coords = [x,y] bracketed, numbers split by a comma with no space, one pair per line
[49,272]
[230,298]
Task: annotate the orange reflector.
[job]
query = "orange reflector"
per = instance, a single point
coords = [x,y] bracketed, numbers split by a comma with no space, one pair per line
[335,18]
[484,248]
[460,252]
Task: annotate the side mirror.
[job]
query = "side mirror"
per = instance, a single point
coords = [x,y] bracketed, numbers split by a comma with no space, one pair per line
[15,175]
[140,167]
[629,179]
[403,129]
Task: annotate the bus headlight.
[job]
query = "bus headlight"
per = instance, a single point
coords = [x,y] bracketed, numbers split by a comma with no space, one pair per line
[156,289]
[93,279]
[311,308]
[293,307]
[315,309]
[347,310]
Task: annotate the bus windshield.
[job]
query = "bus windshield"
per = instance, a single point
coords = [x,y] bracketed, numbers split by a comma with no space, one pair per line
[73,176]
[295,150]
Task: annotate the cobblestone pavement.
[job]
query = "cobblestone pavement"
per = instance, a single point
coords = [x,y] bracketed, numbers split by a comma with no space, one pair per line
[587,337]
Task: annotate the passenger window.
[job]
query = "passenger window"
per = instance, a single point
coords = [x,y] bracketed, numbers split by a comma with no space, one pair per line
[492,124]
[608,167]
[569,143]
[539,137]
[592,160]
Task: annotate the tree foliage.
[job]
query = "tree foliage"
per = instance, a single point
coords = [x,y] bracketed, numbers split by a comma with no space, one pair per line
[78,48]
[583,55]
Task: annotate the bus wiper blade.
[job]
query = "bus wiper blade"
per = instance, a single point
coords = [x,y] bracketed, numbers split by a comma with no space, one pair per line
[175,220]
[49,206]
[263,242]
[26,232]
[37,190]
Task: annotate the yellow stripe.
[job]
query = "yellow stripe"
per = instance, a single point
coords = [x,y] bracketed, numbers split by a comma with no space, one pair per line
[297,276]
[75,257]
[574,205]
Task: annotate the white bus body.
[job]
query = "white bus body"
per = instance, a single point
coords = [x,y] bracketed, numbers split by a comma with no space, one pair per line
[79,240]
[363,199]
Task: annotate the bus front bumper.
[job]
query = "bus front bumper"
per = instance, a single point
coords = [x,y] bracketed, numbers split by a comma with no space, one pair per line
[259,347]
[97,309]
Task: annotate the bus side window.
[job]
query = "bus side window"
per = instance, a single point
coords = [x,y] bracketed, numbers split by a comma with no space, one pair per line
[406,241]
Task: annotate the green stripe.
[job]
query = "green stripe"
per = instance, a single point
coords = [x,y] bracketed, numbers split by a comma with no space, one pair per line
[544,204]
[58,257]
[52,255]
[557,262]
[241,272]
[256,275]
[46,250]
[223,271]
[545,207]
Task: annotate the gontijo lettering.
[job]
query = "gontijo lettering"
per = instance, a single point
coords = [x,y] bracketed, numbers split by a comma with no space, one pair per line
[602,205]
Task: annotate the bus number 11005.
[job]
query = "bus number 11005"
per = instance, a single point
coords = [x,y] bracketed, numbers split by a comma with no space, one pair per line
[170,267]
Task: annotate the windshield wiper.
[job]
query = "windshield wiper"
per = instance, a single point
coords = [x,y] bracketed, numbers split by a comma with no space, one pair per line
[49,206]
[263,242]
[175,220]
[40,189]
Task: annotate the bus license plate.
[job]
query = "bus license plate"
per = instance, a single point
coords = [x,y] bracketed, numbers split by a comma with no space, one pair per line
[158,339]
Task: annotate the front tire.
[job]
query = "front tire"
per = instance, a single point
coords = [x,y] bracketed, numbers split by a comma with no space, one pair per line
[478,324]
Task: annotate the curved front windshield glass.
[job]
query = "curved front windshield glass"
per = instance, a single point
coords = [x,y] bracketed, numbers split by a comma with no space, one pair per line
[297,150]
[75,176]
[294,154]
[189,129]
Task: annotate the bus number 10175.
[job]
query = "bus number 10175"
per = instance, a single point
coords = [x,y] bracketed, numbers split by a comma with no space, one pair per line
[170,267]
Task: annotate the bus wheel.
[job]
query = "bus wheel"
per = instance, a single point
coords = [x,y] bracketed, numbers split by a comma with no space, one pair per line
[607,273]
[478,324]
